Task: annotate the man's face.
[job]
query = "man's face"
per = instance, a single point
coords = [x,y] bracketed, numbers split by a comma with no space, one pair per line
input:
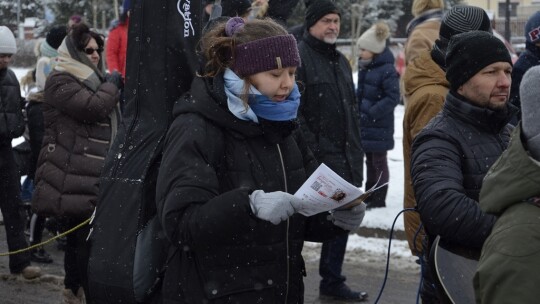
[327,28]
[490,87]
[5,59]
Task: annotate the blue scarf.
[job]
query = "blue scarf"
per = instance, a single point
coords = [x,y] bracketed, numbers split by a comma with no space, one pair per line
[259,104]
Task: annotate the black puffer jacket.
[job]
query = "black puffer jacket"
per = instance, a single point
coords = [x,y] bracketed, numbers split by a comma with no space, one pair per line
[450,158]
[11,119]
[329,114]
[222,252]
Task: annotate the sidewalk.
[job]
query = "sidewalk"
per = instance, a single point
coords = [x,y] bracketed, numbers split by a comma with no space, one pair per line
[364,270]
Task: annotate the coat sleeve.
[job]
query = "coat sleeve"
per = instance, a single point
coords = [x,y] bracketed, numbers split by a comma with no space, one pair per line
[189,202]
[308,135]
[421,111]
[73,98]
[113,50]
[390,99]
[444,207]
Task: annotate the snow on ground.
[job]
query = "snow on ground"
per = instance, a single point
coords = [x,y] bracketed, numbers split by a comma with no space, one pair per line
[359,248]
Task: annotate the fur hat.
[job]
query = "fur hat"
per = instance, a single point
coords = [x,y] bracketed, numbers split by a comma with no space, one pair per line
[374,39]
[464,18]
[316,9]
[470,52]
[420,6]
[56,35]
[529,91]
[532,28]
[7,41]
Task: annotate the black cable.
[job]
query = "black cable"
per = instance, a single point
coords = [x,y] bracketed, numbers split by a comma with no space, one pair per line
[388,254]
[421,259]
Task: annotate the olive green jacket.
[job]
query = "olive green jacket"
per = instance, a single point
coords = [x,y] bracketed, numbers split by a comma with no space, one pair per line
[509,266]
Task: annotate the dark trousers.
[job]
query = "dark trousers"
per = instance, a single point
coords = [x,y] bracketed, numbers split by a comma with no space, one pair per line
[10,205]
[76,256]
[377,166]
[333,251]
[332,254]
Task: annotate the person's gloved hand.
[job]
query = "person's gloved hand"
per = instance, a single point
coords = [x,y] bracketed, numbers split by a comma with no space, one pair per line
[349,219]
[116,79]
[274,207]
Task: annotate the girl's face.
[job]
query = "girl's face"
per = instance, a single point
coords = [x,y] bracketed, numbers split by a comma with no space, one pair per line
[93,52]
[365,54]
[275,84]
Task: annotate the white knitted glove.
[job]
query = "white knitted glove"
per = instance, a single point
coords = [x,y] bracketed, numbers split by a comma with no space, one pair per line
[349,219]
[274,207]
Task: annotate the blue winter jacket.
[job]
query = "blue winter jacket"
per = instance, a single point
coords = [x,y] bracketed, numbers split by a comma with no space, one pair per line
[378,95]
[529,58]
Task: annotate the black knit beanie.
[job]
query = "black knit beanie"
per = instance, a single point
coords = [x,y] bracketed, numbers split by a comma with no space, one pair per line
[317,9]
[56,35]
[464,18]
[233,8]
[459,19]
[470,52]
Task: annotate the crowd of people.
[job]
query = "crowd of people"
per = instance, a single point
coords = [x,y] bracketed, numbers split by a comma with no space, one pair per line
[266,108]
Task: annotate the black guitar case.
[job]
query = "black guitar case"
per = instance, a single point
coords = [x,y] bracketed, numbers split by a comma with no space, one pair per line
[454,270]
[127,249]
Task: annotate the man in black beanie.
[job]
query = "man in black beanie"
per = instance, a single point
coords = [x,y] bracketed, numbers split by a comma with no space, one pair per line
[453,153]
[424,91]
[329,121]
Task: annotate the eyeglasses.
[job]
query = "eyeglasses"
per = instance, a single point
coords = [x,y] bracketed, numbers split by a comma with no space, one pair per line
[90,51]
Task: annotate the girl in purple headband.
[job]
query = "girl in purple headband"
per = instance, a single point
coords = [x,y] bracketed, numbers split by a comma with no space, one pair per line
[231,161]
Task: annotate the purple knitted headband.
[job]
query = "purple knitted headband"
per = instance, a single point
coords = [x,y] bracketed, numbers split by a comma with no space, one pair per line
[264,54]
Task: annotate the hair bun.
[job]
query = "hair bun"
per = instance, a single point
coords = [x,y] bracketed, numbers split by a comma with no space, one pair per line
[234,25]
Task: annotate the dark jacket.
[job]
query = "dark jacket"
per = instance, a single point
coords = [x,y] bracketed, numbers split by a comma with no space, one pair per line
[78,133]
[450,157]
[527,59]
[511,254]
[378,95]
[222,253]
[328,114]
[11,119]
[36,128]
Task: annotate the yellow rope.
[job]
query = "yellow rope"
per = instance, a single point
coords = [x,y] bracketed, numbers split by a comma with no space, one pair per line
[47,241]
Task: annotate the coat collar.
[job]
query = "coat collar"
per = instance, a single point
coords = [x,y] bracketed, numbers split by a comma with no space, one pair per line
[489,120]
[318,45]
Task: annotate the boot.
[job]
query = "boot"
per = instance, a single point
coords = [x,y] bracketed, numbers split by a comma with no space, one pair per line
[40,256]
[377,199]
[31,272]
[71,298]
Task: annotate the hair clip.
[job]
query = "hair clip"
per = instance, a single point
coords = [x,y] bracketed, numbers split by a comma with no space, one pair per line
[233,25]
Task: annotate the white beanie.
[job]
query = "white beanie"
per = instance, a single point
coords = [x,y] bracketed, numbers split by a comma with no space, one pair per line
[7,41]
[374,39]
[528,91]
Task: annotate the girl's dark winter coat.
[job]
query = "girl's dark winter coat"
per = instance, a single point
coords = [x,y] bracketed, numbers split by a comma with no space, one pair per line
[378,95]
[222,253]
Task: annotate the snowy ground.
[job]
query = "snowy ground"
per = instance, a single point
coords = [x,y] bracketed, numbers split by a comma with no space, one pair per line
[359,248]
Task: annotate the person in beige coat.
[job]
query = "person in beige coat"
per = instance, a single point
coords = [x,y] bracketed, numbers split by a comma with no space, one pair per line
[423,30]
[425,88]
